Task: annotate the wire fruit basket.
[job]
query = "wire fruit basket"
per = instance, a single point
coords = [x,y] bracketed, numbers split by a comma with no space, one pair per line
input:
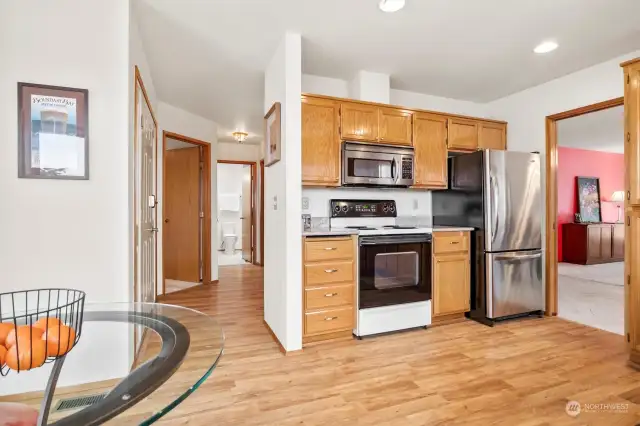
[38,326]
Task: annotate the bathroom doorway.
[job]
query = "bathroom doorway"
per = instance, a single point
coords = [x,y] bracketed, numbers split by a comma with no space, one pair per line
[237,202]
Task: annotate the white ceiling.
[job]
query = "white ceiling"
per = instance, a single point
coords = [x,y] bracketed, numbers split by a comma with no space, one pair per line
[597,131]
[208,56]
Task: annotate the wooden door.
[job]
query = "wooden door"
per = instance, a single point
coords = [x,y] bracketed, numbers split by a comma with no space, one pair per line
[451,276]
[430,145]
[606,242]
[492,136]
[320,142]
[632,131]
[359,122]
[182,209]
[463,134]
[594,243]
[394,126]
[247,213]
[618,241]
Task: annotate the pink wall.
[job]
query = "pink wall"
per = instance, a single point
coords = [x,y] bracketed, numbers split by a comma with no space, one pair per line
[574,162]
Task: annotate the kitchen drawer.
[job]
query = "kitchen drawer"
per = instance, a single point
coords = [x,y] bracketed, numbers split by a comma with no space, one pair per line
[328,272]
[328,297]
[328,249]
[328,320]
[450,242]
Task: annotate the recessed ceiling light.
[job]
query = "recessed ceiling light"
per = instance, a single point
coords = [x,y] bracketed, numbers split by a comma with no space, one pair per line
[546,47]
[391,5]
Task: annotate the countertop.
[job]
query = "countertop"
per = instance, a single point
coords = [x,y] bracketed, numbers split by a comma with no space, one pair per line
[336,232]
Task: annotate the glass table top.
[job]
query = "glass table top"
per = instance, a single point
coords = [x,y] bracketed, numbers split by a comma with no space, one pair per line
[138,360]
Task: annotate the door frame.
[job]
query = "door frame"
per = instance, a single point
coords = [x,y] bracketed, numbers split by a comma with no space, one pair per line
[261,263]
[551,243]
[254,196]
[206,192]
[138,82]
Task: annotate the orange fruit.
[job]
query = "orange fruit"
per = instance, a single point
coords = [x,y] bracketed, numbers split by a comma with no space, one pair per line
[59,340]
[43,324]
[32,354]
[3,355]
[23,332]
[5,328]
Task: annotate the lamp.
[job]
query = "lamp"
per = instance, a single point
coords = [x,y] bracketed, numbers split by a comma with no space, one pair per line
[240,136]
[618,197]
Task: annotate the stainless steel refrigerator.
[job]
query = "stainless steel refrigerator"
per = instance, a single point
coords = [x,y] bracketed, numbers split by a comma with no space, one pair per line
[498,194]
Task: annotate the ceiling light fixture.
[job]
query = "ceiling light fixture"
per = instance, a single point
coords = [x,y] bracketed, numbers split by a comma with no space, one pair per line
[546,47]
[391,5]
[240,136]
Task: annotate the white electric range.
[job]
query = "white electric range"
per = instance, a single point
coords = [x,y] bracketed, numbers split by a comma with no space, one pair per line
[394,267]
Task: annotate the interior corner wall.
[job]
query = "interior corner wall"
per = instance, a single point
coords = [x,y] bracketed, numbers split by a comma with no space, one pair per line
[283,233]
[572,162]
[68,233]
[176,120]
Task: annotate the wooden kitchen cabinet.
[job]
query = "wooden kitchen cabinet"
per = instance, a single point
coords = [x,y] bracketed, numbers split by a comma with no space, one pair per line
[591,243]
[320,142]
[463,134]
[430,150]
[451,274]
[492,135]
[394,126]
[359,122]
[631,131]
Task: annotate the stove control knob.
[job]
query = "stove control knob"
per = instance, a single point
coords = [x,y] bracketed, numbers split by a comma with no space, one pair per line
[336,208]
[385,208]
[392,208]
[345,208]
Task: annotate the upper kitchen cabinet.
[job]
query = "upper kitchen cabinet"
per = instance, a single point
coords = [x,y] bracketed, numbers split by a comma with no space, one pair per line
[430,146]
[463,134]
[320,142]
[394,126]
[359,122]
[492,135]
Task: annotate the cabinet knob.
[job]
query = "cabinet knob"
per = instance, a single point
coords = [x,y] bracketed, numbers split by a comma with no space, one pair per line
[454,242]
[330,318]
[330,271]
[330,248]
[330,294]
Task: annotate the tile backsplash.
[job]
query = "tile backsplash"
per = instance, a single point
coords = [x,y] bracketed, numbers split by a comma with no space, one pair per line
[410,202]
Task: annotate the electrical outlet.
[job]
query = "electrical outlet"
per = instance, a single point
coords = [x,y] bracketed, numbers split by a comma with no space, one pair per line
[305,203]
[275,202]
[415,204]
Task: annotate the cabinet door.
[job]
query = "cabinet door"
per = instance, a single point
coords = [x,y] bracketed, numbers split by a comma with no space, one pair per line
[606,242]
[492,136]
[451,277]
[632,278]
[632,131]
[394,126]
[320,142]
[430,145]
[463,134]
[618,241]
[594,243]
[359,122]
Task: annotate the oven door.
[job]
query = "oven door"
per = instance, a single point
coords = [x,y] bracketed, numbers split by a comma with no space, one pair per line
[394,269]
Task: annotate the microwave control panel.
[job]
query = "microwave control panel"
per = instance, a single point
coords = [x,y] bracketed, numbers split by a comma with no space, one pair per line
[407,168]
[363,208]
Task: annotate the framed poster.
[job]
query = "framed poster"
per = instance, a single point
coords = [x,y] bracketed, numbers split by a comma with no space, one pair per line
[588,193]
[272,131]
[53,132]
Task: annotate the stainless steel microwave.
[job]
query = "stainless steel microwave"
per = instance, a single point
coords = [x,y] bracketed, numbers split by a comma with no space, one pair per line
[365,164]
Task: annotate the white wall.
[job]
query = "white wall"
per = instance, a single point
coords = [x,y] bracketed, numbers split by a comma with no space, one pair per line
[283,251]
[239,152]
[325,86]
[184,123]
[230,179]
[57,233]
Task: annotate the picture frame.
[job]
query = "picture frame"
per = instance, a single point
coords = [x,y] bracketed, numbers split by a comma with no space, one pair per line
[53,132]
[272,135]
[588,199]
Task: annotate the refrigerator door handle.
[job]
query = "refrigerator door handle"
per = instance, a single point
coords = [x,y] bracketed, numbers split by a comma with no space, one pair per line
[494,208]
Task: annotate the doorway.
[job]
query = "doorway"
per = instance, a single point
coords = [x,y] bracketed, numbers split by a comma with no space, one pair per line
[591,233]
[237,196]
[186,212]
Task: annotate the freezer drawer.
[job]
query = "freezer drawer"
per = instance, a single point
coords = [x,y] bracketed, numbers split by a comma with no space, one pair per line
[514,283]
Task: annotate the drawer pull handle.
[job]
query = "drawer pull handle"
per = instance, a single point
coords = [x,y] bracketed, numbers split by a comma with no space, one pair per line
[330,248]
[330,318]
[330,271]
[330,294]
[454,242]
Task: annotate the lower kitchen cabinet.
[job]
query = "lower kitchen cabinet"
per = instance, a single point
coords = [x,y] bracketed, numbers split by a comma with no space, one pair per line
[451,274]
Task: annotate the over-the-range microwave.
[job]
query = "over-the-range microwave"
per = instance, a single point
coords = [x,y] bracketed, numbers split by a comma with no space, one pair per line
[365,164]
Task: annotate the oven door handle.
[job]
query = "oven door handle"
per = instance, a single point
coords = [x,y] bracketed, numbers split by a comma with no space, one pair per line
[405,239]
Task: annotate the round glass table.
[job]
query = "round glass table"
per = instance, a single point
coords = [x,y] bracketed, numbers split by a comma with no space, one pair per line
[132,364]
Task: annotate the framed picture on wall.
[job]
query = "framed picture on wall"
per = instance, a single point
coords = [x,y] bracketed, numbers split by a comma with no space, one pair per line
[588,195]
[272,133]
[53,132]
